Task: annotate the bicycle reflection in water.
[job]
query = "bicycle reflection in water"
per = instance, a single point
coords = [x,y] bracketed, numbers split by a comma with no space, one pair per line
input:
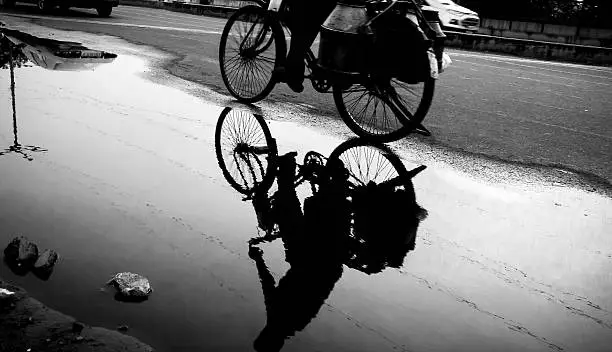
[361,212]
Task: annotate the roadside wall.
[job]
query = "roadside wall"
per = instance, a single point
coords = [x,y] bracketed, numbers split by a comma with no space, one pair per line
[531,48]
[523,47]
[547,32]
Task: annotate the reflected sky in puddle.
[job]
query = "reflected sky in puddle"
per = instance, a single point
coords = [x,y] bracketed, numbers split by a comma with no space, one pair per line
[131,182]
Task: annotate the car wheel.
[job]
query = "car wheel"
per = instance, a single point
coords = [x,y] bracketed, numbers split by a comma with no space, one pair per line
[104,11]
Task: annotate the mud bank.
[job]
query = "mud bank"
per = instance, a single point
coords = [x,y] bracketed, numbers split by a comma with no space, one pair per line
[28,325]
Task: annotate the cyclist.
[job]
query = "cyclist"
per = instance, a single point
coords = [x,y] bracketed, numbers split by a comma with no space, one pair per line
[314,248]
[305,20]
[316,242]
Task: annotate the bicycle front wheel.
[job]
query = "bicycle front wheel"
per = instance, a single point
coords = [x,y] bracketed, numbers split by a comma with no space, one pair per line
[384,110]
[252,45]
[245,150]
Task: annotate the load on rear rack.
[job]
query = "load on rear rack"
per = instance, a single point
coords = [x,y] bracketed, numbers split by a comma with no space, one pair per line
[394,38]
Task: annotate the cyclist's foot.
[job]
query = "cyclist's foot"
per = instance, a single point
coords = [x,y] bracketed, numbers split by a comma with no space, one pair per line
[296,83]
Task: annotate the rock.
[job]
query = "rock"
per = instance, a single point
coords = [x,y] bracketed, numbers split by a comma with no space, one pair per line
[122,328]
[7,299]
[77,327]
[43,267]
[5,293]
[21,252]
[46,261]
[131,287]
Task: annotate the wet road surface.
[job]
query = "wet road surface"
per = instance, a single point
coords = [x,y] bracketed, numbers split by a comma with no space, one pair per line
[526,111]
[123,177]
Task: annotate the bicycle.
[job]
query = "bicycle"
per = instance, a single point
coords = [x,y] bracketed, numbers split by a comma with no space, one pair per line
[377,107]
[247,155]
[372,179]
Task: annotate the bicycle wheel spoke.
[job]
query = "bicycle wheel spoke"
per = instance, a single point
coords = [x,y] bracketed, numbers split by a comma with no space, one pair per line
[409,96]
[356,88]
[369,111]
[368,164]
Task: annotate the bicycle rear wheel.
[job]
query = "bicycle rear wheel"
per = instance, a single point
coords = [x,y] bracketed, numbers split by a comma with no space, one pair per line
[245,150]
[368,162]
[252,45]
[384,110]
[384,212]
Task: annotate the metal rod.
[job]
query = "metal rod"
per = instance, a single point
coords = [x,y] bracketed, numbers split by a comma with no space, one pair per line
[12,69]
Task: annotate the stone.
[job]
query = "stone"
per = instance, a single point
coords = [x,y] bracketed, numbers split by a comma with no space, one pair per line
[77,327]
[131,287]
[5,293]
[46,260]
[7,299]
[21,251]
[122,328]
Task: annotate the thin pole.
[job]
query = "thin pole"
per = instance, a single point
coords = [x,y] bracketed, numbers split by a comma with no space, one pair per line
[12,68]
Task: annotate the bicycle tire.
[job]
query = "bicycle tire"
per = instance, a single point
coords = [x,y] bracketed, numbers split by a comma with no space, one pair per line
[249,79]
[382,164]
[246,172]
[406,115]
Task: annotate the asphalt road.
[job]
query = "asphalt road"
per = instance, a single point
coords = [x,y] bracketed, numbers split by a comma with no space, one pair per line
[525,111]
[117,171]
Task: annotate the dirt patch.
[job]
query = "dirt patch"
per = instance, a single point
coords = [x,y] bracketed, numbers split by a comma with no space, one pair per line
[28,325]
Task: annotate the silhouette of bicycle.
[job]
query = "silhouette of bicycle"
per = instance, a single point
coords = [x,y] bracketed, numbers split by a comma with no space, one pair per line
[377,185]
[247,154]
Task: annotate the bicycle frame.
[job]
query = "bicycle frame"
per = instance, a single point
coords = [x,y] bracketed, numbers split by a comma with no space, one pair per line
[273,27]
[323,78]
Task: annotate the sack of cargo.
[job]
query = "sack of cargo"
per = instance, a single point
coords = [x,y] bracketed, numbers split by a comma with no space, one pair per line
[399,49]
[344,45]
[380,38]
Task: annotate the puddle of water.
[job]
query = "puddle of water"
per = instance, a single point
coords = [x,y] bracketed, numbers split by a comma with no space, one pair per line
[53,54]
[129,181]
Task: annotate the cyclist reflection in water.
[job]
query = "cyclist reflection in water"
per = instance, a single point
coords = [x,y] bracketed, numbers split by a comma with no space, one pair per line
[313,248]
[317,245]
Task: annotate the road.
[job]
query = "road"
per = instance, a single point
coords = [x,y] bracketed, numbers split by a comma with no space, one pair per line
[118,172]
[526,111]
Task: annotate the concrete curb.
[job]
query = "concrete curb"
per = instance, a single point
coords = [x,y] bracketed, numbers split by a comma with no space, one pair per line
[475,42]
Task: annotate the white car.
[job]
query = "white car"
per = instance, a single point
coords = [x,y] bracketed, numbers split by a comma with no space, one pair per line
[455,17]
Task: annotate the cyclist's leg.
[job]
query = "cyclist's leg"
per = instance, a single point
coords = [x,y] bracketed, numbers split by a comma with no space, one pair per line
[306,18]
